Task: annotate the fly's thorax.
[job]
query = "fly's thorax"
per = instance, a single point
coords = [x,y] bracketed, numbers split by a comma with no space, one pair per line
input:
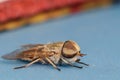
[54,55]
[53,51]
[55,58]
[55,46]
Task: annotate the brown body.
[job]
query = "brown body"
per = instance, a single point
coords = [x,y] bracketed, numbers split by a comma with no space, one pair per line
[54,53]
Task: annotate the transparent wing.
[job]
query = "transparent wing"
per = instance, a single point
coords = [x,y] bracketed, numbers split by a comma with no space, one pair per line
[13,55]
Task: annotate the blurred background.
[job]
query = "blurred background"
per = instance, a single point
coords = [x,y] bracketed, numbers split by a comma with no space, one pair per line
[18,13]
[93,24]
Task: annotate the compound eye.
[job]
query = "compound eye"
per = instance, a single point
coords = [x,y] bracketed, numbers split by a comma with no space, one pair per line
[70,49]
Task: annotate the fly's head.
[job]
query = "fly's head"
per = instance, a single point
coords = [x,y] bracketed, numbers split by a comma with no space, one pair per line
[71,51]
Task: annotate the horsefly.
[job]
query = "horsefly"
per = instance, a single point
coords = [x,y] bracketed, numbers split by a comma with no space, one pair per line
[56,53]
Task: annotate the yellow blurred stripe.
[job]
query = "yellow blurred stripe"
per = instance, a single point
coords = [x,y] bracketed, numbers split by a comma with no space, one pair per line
[58,13]
[14,24]
[38,18]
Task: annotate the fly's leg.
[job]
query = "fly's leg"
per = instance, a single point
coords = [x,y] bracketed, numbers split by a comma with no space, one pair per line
[78,61]
[52,63]
[24,66]
[69,63]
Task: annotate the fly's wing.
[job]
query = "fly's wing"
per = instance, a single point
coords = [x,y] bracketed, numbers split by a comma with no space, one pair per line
[15,54]
[28,46]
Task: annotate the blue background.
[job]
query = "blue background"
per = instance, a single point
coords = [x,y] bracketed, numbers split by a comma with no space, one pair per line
[96,31]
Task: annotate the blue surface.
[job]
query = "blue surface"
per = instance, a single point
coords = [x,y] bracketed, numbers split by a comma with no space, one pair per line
[96,31]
